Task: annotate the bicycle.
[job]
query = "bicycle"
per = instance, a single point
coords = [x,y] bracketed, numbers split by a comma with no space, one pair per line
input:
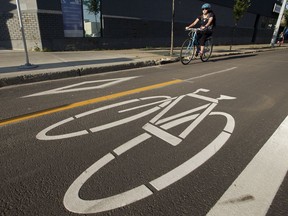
[191,45]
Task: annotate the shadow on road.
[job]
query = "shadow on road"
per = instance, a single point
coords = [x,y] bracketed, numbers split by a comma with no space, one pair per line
[215,59]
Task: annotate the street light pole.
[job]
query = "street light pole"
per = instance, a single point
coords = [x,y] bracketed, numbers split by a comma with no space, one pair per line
[27,65]
[172,28]
[275,33]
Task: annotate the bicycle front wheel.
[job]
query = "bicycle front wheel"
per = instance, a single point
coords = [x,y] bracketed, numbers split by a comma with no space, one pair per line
[187,52]
[207,50]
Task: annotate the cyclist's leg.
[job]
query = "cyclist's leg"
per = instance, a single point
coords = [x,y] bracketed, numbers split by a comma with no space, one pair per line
[199,35]
[203,39]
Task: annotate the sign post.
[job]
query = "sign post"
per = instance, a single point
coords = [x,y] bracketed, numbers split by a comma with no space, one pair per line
[27,65]
[275,33]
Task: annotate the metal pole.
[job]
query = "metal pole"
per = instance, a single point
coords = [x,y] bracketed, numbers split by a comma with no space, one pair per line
[172,28]
[27,65]
[275,33]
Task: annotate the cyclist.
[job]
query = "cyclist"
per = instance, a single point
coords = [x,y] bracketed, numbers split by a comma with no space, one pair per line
[280,40]
[207,22]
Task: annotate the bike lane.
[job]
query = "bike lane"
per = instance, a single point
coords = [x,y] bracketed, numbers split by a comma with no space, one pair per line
[61,162]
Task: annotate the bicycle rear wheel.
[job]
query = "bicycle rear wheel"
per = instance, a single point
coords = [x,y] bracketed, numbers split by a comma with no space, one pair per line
[207,50]
[187,51]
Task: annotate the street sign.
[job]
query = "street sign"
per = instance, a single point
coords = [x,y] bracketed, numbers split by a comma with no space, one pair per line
[276,8]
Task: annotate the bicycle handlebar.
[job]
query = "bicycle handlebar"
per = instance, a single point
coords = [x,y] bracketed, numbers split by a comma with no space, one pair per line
[192,29]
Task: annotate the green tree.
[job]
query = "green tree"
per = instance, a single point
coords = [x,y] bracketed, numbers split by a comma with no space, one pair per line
[239,9]
[93,6]
[285,18]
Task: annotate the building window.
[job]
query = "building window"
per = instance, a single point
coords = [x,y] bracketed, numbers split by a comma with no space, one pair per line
[92,18]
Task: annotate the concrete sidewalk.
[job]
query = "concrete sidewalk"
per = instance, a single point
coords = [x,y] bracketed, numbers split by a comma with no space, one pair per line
[56,65]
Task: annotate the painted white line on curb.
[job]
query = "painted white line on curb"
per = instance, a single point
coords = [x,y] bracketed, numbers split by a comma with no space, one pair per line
[255,188]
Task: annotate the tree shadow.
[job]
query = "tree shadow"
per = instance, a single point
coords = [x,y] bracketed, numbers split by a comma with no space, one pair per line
[5,14]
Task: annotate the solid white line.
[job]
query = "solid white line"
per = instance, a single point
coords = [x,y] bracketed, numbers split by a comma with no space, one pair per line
[255,188]
[210,74]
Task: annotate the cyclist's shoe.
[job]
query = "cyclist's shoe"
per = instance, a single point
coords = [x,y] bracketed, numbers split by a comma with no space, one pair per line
[196,54]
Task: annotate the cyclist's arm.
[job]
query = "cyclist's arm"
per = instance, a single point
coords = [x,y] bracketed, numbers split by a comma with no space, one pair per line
[193,24]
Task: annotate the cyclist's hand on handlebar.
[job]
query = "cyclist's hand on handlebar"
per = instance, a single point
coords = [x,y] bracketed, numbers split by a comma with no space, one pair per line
[187,28]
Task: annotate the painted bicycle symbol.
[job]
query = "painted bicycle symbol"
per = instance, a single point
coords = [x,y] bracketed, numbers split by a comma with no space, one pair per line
[158,127]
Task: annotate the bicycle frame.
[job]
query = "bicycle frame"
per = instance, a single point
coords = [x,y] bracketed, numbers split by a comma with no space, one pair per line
[194,39]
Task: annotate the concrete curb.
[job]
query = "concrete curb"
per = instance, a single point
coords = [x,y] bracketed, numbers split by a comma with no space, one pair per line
[30,78]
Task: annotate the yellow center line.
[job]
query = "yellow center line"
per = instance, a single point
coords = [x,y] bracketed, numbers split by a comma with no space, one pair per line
[86,102]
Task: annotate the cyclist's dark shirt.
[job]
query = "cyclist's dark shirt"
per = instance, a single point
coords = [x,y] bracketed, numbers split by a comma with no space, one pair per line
[204,21]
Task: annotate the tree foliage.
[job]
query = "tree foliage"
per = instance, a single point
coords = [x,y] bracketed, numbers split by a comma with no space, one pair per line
[93,6]
[240,8]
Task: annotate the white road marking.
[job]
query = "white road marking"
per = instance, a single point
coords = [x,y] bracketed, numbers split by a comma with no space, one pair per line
[158,132]
[255,188]
[210,74]
[123,121]
[42,134]
[170,118]
[191,127]
[74,203]
[104,108]
[167,101]
[191,164]
[71,88]
[230,121]
[158,116]
[179,121]
[132,143]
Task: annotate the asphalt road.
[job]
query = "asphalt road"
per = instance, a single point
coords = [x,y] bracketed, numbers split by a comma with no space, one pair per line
[202,139]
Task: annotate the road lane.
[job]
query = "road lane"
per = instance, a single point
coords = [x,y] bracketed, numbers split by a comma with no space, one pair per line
[37,173]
